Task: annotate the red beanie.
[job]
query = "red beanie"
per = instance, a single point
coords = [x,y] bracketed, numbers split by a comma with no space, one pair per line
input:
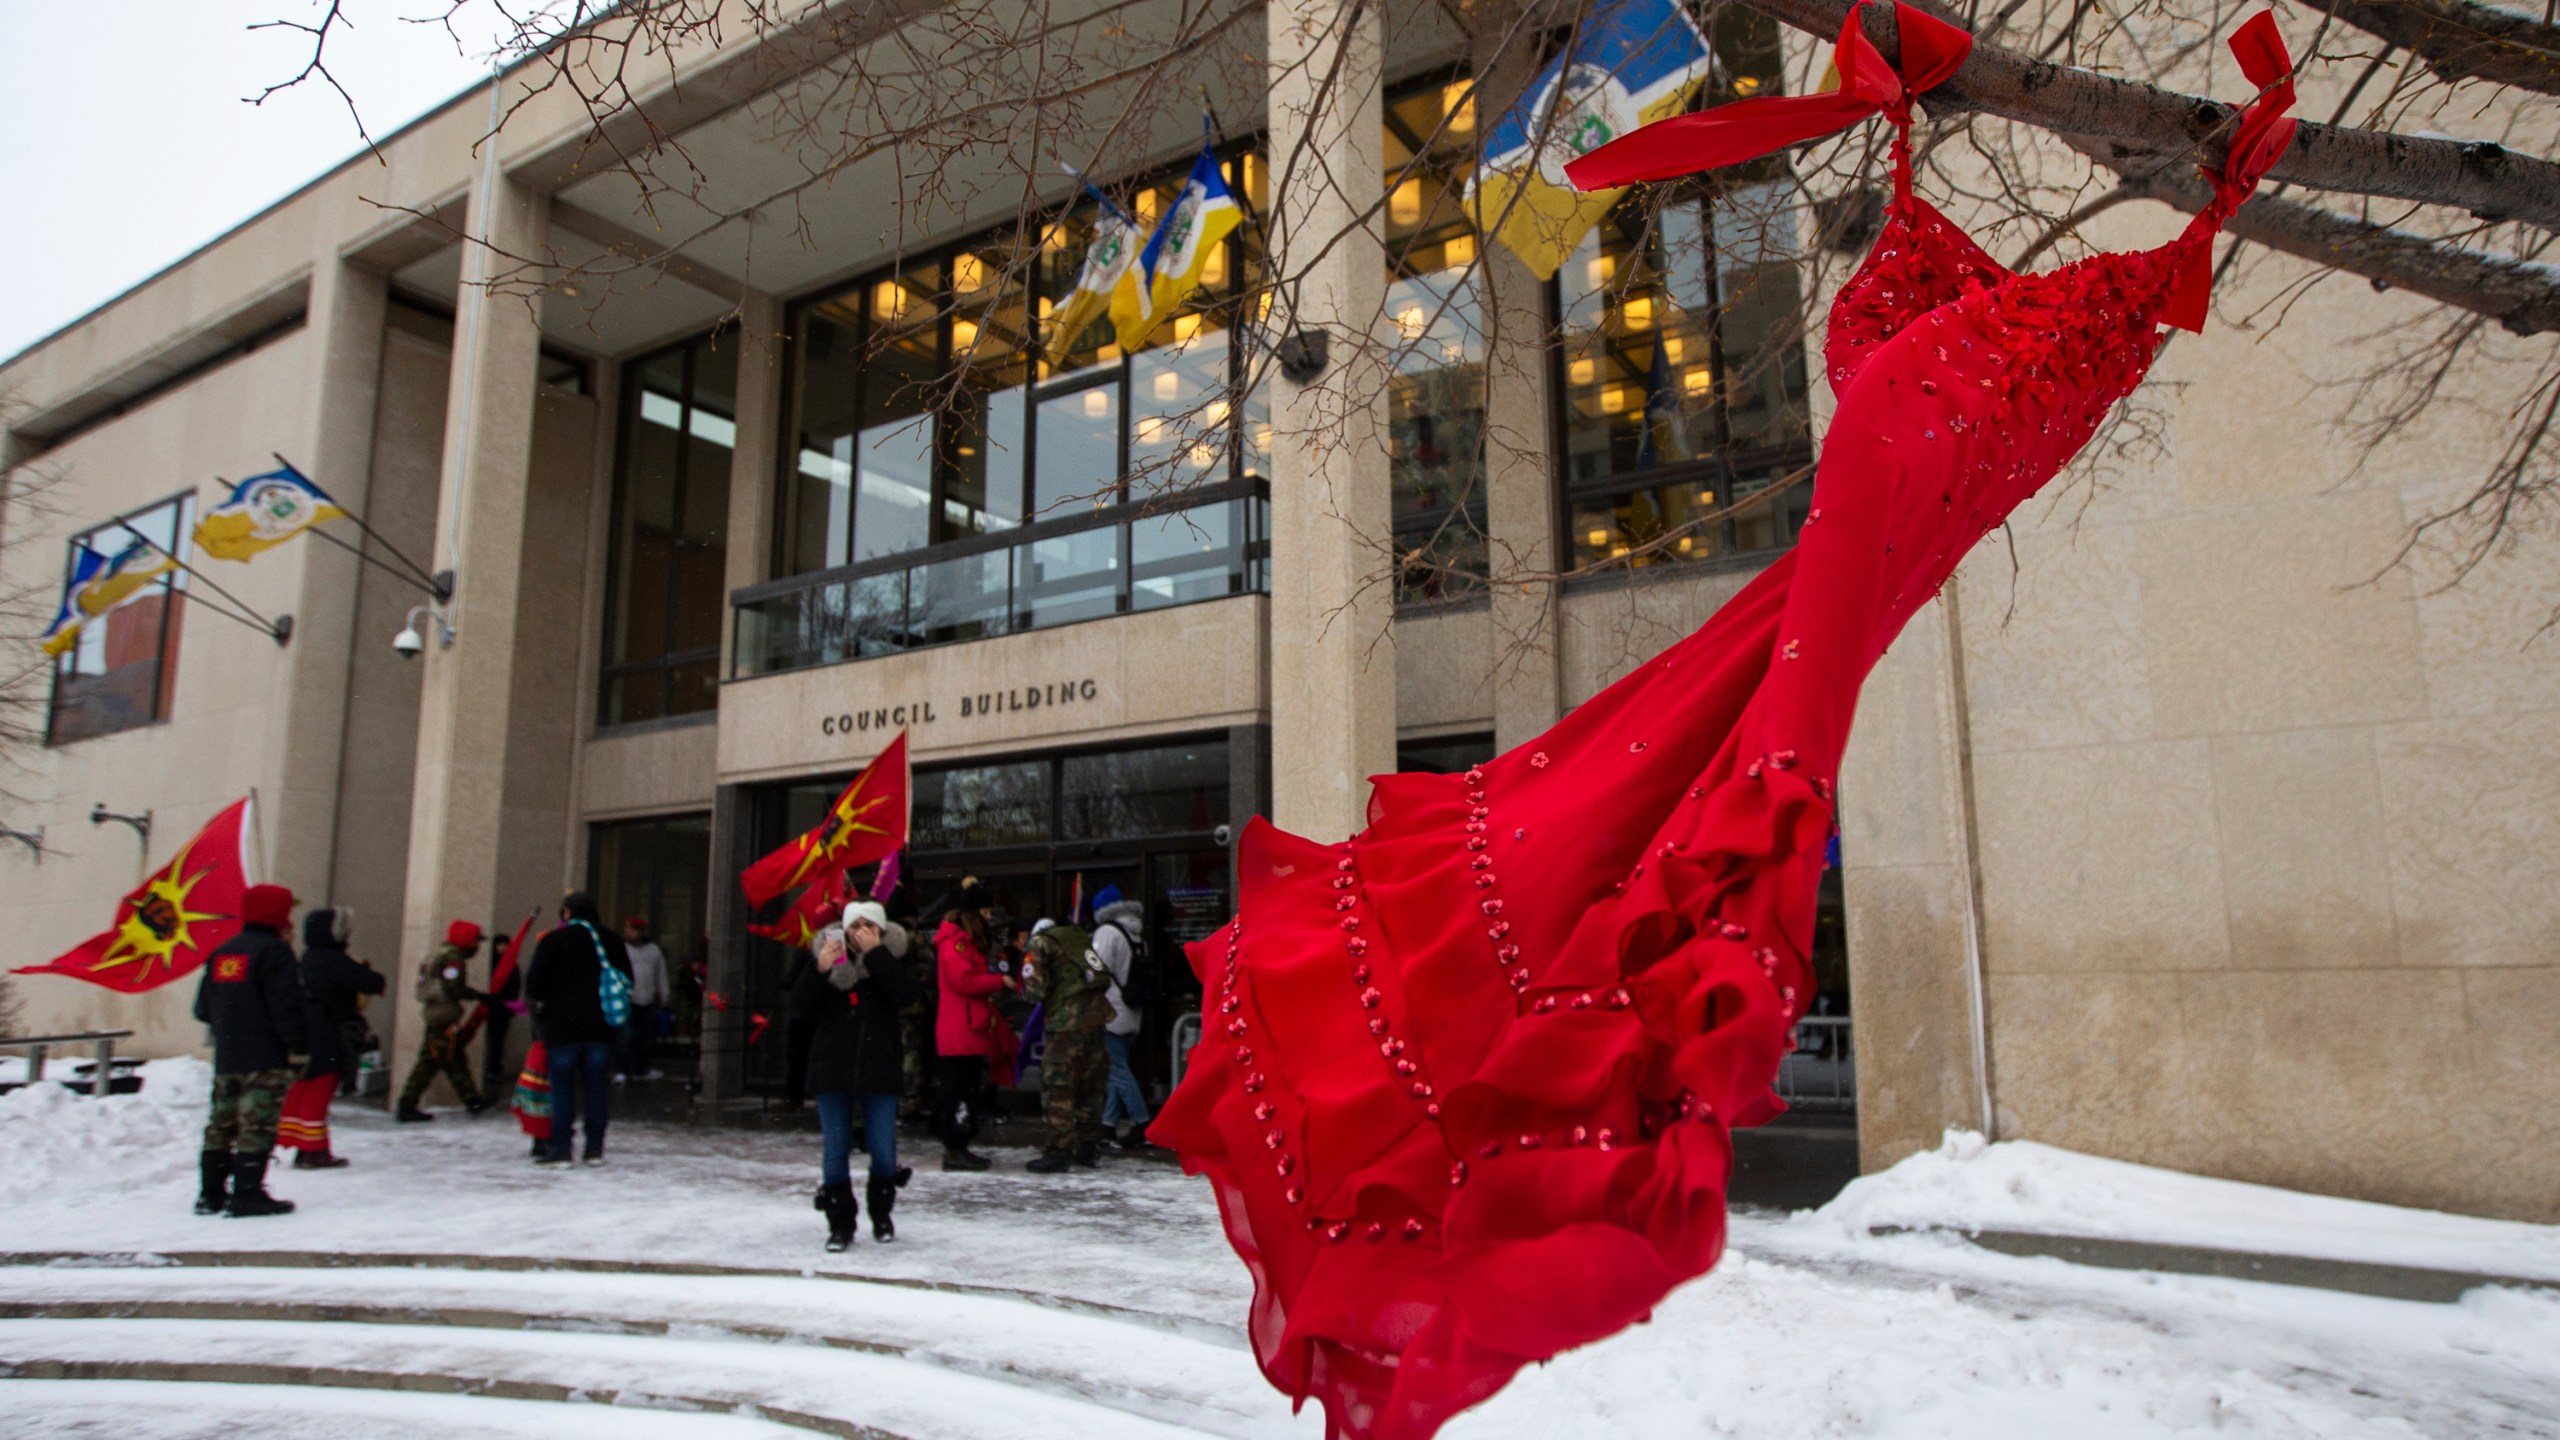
[462,934]
[268,905]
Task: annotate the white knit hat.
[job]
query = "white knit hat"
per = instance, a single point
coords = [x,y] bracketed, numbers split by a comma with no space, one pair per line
[871,910]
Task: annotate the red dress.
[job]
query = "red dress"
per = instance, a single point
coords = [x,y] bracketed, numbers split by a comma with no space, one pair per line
[1468,1078]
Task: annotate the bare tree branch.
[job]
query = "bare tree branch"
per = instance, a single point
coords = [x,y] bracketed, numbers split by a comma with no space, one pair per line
[2460,40]
[2146,123]
[2523,297]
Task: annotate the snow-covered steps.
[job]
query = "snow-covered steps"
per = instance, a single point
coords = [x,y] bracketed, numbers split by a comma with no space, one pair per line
[840,1356]
[180,1410]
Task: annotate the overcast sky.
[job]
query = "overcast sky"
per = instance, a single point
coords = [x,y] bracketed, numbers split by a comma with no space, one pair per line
[127,144]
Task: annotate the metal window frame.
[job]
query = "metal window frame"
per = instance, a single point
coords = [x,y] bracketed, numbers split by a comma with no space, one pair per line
[162,655]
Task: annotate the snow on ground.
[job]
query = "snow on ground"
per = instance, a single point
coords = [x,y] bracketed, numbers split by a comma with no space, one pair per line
[1813,1326]
[1965,1184]
[57,1140]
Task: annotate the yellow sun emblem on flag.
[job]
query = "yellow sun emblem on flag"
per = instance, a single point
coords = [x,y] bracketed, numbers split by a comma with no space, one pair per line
[847,820]
[158,925]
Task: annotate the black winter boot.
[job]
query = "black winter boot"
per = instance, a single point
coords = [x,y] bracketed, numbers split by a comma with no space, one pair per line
[215,1192]
[837,1202]
[882,1192]
[961,1157]
[1087,1155]
[317,1160]
[1051,1162]
[249,1195]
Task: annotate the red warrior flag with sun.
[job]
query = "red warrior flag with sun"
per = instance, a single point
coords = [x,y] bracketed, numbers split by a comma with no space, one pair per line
[868,822]
[172,921]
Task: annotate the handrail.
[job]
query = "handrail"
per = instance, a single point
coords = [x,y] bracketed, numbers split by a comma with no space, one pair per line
[20,1042]
[101,1076]
[1167,502]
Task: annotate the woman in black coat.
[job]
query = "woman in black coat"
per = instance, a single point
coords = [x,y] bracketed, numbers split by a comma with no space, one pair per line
[851,999]
[336,984]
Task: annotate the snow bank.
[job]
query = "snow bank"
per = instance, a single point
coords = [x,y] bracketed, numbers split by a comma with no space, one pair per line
[58,1142]
[2020,1185]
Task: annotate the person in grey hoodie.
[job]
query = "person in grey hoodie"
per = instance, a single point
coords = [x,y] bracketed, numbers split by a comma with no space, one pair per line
[1116,928]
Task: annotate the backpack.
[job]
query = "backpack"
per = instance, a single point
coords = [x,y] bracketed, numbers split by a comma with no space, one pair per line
[1138,992]
[613,988]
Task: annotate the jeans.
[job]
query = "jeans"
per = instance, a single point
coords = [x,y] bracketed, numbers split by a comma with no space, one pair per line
[582,1071]
[879,1135]
[1124,1102]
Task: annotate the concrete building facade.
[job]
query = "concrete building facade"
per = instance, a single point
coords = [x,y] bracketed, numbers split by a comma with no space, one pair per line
[2181,828]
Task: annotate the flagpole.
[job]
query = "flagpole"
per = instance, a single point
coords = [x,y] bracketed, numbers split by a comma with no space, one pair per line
[258,831]
[279,630]
[396,573]
[421,571]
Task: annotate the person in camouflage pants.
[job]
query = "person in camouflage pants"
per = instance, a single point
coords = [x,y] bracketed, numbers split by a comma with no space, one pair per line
[443,989]
[251,998]
[1073,989]
[245,1109]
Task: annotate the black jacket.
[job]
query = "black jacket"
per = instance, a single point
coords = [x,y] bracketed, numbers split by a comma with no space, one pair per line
[333,979]
[561,983]
[251,995]
[855,1047]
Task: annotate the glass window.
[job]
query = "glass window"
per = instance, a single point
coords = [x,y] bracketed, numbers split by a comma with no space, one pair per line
[817,495]
[1447,755]
[1436,396]
[1179,408]
[1078,461]
[1068,578]
[1185,556]
[981,805]
[927,405]
[965,597]
[1682,370]
[122,671]
[659,870]
[1163,790]
[893,451]
[666,583]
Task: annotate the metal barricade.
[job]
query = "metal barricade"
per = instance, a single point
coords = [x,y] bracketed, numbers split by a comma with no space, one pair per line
[1821,1074]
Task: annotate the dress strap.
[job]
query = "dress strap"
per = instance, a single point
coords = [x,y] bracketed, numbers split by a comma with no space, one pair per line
[2266,127]
[1867,85]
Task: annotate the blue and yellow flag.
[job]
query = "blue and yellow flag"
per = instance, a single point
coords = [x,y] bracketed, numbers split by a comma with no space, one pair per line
[1631,63]
[64,632]
[1109,257]
[1178,254]
[264,511]
[99,583]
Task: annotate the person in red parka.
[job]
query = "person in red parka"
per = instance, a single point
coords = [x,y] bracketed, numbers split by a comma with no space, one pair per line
[961,1017]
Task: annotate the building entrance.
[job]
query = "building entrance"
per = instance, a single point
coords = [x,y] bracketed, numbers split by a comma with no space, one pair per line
[1043,833]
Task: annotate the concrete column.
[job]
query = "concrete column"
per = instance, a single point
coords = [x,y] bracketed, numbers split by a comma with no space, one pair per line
[752,476]
[1333,680]
[336,451]
[469,690]
[1908,886]
[1520,503]
[755,464]
[723,1066]
[1519,440]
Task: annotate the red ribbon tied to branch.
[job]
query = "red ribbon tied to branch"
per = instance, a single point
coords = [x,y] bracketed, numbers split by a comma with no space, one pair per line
[1748,129]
